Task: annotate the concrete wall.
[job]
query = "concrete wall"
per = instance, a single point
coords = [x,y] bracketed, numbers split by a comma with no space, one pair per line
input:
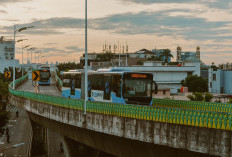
[126,136]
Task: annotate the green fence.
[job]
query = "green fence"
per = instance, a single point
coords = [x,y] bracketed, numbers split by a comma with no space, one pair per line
[169,114]
[59,80]
[193,105]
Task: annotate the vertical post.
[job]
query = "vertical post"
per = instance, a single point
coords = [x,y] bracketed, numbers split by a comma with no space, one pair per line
[22,60]
[126,60]
[14,59]
[31,57]
[86,62]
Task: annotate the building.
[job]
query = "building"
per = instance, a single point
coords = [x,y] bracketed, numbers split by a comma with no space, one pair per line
[219,80]
[166,75]
[182,56]
[7,54]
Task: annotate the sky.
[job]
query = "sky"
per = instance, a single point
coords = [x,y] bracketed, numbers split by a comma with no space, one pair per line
[60,26]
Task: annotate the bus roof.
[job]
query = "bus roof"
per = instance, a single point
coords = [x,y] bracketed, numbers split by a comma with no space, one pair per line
[103,72]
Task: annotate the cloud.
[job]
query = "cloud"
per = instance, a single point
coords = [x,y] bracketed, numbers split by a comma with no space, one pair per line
[3,12]
[12,1]
[160,23]
[150,23]
[210,3]
[74,49]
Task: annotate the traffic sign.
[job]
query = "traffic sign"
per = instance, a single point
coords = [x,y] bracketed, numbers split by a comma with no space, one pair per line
[7,74]
[35,76]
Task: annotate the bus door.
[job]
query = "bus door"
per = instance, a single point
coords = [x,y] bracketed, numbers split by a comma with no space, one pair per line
[107,87]
[72,92]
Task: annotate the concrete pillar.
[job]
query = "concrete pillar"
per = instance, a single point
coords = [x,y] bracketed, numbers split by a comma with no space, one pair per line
[73,148]
[39,139]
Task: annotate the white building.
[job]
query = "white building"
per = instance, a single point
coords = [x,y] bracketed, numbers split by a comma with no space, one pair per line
[7,54]
[168,76]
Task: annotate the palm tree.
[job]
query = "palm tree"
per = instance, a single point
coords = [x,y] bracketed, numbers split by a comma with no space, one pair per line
[166,54]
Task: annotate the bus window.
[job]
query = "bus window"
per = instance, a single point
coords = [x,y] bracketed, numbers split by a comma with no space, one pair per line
[66,83]
[97,82]
[107,89]
[77,81]
[137,87]
[116,85]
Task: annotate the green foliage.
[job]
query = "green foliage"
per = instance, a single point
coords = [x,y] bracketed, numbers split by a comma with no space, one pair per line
[69,66]
[218,101]
[198,96]
[208,97]
[166,53]
[195,84]
[154,58]
[4,88]
[102,57]
[191,97]
[230,101]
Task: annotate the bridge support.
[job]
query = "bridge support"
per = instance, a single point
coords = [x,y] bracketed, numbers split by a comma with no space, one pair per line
[39,139]
[73,148]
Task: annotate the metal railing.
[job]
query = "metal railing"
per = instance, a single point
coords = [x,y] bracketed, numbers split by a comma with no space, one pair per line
[193,105]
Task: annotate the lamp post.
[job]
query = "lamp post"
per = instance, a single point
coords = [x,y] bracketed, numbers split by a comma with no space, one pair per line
[15,31]
[22,52]
[35,57]
[31,49]
[86,60]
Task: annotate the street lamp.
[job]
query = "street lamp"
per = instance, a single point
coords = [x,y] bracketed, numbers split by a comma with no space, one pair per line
[31,49]
[22,51]
[15,31]
[35,54]
[86,60]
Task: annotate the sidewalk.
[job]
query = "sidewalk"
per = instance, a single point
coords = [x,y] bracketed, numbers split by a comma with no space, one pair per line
[20,132]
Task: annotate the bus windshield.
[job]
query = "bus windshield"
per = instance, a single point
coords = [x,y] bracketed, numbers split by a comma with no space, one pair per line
[44,74]
[137,88]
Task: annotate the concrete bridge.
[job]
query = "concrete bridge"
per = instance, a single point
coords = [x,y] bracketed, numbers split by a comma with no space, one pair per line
[117,135]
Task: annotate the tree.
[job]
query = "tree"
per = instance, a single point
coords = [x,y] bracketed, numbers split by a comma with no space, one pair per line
[208,97]
[198,96]
[195,84]
[69,66]
[154,58]
[166,54]
[105,56]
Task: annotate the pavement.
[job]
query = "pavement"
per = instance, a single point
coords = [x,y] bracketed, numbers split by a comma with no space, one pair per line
[20,132]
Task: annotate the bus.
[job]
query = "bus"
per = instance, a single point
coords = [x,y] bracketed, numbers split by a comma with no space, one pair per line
[45,75]
[111,85]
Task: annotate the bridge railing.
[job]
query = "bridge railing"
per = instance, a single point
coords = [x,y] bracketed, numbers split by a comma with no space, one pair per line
[199,118]
[59,83]
[19,81]
[193,105]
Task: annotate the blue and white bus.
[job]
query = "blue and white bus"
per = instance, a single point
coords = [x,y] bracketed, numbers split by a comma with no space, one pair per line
[45,75]
[110,86]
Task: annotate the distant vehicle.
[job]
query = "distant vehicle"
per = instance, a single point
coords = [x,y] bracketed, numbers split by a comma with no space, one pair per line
[110,85]
[45,75]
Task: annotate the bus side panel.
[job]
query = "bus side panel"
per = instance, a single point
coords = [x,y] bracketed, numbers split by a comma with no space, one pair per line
[66,92]
[116,99]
